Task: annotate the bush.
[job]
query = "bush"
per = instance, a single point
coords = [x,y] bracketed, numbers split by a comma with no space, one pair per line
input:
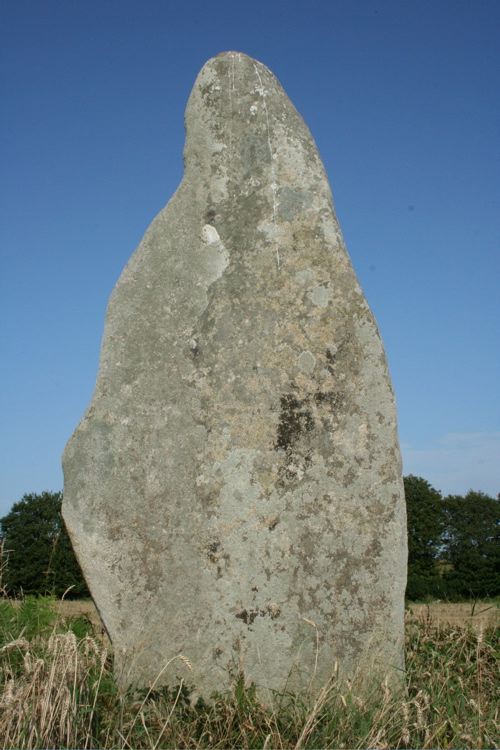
[40,556]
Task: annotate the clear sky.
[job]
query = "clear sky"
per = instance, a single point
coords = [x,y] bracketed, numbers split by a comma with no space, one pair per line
[403,101]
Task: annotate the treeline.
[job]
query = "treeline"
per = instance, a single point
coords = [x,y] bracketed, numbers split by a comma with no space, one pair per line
[37,556]
[453,541]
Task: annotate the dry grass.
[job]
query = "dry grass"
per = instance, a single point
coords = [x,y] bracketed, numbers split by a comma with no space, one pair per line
[478,614]
[57,690]
[49,697]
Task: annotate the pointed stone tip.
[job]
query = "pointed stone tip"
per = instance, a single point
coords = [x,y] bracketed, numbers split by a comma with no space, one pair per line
[234,55]
[240,67]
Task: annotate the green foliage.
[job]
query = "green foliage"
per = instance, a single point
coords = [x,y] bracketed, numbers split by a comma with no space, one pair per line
[472,544]
[425,529]
[32,616]
[81,626]
[453,543]
[36,616]
[40,556]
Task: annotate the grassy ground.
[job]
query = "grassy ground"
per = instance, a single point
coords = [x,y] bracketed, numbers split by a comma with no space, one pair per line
[57,690]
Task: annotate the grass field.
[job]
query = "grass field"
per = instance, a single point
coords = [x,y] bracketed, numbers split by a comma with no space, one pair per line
[57,690]
[476,614]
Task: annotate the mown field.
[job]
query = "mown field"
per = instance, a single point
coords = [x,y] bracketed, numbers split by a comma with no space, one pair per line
[57,690]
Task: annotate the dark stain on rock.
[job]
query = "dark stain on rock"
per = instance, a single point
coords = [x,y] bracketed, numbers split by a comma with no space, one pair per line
[213,549]
[295,419]
[218,557]
[273,611]
[210,216]
[249,615]
[330,358]
[194,349]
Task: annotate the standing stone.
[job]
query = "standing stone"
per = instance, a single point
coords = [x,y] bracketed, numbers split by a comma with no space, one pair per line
[234,490]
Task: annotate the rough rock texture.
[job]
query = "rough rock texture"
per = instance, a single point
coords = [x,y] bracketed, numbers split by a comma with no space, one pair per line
[234,490]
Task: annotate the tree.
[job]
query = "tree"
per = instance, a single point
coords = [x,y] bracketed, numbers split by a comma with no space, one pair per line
[40,556]
[424,507]
[472,544]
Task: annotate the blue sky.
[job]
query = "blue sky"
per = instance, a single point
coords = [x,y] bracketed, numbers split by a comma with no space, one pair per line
[402,99]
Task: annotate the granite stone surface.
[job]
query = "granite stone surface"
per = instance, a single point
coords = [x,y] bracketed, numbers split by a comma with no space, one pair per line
[234,490]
